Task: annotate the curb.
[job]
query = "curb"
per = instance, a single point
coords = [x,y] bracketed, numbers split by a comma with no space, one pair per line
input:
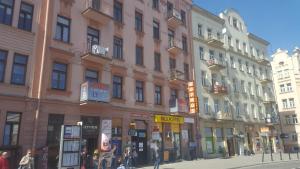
[265,163]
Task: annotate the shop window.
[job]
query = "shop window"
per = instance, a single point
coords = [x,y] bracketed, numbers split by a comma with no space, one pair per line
[209,140]
[219,141]
[11,129]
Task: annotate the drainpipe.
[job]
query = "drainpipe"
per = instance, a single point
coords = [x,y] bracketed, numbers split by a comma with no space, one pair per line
[41,75]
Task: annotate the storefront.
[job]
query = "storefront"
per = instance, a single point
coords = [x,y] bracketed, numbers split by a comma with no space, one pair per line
[90,132]
[166,130]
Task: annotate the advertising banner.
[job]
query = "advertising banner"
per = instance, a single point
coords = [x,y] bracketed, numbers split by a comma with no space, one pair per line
[95,92]
[106,130]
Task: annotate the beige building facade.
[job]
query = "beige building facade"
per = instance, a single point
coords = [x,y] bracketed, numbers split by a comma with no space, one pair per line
[123,61]
[234,85]
[286,84]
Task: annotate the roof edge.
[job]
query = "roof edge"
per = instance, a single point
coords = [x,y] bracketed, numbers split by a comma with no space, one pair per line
[208,14]
[252,36]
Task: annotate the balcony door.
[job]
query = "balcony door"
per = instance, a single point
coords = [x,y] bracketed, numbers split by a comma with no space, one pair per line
[93,36]
[171,36]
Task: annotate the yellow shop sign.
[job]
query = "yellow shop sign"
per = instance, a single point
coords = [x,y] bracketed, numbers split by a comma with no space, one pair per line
[168,119]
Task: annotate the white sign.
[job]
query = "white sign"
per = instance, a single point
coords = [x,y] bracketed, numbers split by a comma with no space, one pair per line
[184,135]
[99,50]
[106,135]
[189,120]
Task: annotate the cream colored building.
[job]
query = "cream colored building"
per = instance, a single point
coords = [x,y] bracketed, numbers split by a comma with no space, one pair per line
[286,76]
[234,84]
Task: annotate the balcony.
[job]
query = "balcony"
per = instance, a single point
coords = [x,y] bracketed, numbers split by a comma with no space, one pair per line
[265,79]
[175,47]
[268,99]
[220,115]
[94,12]
[96,53]
[214,41]
[219,89]
[93,93]
[262,60]
[214,64]
[177,77]
[174,18]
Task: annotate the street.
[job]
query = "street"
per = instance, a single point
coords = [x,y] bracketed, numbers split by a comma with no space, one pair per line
[247,162]
[283,165]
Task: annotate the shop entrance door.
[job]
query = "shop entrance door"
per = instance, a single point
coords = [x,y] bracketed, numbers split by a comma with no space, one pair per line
[139,144]
[230,146]
[90,132]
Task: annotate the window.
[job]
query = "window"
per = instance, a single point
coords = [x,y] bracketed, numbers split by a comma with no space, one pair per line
[186,72]
[173,95]
[216,106]
[282,88]
[184,44]
[257,52]
[117,87]
[201,53]
[91,75]
[235,85]
[59,76]
[229,41]
[247,68]
[232,62]
[155,4]
[139,60]
[253,111]
[157,63]
[288,119]
[246,109]
[211,54]
[204,78]
[172,63]
[286,73]
[284,103]
[234,20]
[156,30]
[157,95]
[250,88]
[63,29]
[3,57]
[183,17]
[209,140]
[294,118]
[237,109]
[6,11]
[200,30]
[138,21]
[254,70]
[54,128]
[92,37]
[223,82]
[11,129]
[118,48]
[171,35]
[118,11]
[279,74]
[19,69]
[245,47]
[226,106]
[257,89]
[292,103]
[139,91]
[209,33]
[243,88]
[240,65]
[237,43]
[25,16]
[220,140]
[294,136]
[289,87]
[206,105]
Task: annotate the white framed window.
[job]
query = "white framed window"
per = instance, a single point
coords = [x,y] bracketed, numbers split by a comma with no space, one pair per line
[237,109]
[279,74]
[211,54]
[294,118]
[246,109]
[237,43]
[226,106]
[216,105]
[294,137]
[204,78]
[201,53]
[289,87]
[232,64]
[229,41]
[291,103]
[288,119]
[234,85]
[200,30]
[282,88]
[286,73]
[284,103]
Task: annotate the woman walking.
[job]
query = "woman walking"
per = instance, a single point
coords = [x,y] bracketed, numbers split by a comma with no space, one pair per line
[27,161]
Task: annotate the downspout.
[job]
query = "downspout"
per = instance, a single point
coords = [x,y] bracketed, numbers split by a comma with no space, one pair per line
[41,76]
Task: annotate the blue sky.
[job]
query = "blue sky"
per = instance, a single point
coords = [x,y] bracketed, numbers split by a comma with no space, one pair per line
[277,21]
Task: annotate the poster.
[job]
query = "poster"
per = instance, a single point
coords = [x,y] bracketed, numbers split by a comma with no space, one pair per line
[156,136]
[106,135]
[184,135]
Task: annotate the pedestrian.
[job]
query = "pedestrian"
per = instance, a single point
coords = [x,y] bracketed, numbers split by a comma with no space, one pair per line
[3,160]
[96,159]
[127,157]
[156,155]
[113,157]
[27,161]
[85,159]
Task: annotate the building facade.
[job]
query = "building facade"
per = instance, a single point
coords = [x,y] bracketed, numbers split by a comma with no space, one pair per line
[286,84]
[86,61]
[234,85]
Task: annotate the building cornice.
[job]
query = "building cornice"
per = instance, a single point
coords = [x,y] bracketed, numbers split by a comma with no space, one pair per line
[256,38]
[208,14]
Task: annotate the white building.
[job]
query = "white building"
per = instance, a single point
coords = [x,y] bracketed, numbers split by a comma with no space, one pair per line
[286,75]
[233,79]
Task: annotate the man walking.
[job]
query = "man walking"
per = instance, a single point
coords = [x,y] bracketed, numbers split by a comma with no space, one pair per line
[4,161]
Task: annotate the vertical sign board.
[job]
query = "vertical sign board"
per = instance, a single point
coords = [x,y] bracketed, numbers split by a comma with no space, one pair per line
[106,135]
[70,147]
[193,98]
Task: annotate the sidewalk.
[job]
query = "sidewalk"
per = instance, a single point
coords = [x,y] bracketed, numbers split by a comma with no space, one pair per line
[231,163]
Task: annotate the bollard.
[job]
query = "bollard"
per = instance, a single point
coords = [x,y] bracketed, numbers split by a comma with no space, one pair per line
[263,157]
[289,155]
[298,155]
[280,155]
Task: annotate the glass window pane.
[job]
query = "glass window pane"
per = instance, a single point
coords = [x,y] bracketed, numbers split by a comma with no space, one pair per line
[18,75]
[7,2]
[20,59]
[6,137]
[13,117]
[63,21]
[15,133]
